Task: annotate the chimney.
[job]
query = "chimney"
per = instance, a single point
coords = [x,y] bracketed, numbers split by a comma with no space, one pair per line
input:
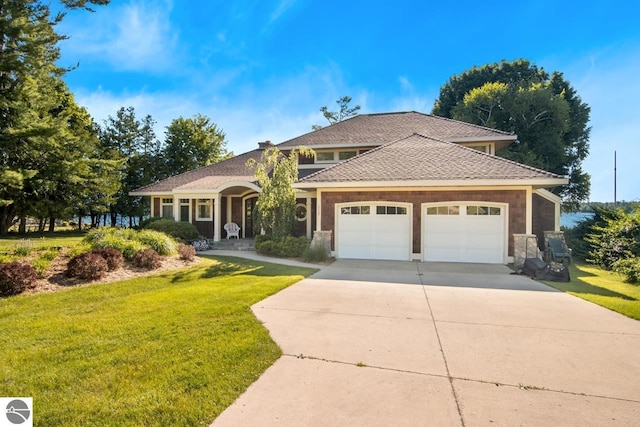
[264,145]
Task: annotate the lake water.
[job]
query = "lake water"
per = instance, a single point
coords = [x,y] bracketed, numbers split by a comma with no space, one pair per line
[570,220]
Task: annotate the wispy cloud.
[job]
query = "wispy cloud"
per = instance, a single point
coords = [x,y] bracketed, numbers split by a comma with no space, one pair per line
[135,36]
[282,7]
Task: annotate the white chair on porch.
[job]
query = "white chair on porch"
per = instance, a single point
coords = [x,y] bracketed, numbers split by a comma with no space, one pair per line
[232,229]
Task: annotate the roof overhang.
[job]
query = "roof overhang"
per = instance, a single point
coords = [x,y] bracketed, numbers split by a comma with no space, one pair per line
[494,138]
[535,182]
[335,146]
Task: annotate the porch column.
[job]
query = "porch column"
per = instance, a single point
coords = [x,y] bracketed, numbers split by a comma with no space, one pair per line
[309,231]
[529,211]
[217,217]
[176,207]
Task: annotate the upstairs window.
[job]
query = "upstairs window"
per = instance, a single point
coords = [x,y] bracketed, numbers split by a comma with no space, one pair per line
[344,155]
[324,156]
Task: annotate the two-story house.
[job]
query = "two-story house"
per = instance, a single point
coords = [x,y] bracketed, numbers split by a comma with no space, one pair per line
[397,186]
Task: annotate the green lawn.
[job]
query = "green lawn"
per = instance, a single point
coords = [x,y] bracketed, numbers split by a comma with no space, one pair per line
[603,288]
[169,350]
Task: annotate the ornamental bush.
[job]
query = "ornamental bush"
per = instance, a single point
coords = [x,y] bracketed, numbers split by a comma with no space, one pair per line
[289,247]
[113,257]
[87,266]
[186,252]
[16,277]
[629,268]
[147,258]
[129,241]
[176,229]
[159,242]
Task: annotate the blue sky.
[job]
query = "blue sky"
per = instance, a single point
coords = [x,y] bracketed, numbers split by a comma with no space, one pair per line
[262,69]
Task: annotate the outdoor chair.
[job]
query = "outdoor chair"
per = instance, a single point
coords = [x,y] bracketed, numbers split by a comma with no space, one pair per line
[559,251]
[232,229]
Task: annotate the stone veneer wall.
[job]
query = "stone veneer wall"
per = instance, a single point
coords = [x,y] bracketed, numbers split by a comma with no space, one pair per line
[544,212]
[516,199]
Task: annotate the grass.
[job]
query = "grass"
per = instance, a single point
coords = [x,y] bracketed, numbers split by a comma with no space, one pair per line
[603,288]
[171,349]
[41,241]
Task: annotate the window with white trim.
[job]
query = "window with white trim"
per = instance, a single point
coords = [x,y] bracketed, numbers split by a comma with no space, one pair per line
[184,210]
[483,210]
[203,210]
[325,156]
[391,210]
[344,155]
[355,210]
[166,207]
[443,210]
[301,212]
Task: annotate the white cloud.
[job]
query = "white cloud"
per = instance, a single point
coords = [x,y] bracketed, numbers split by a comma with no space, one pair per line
[282,7]
[137,35]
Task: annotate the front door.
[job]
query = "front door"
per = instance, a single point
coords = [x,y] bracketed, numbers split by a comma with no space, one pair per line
[249,207]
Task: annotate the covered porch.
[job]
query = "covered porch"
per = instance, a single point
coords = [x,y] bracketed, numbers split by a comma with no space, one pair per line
[234,201]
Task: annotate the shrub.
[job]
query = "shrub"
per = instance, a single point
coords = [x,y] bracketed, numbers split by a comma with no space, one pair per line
[315,253]
[147,258]
[23,247]
[177,229]
[15,278]
[289,247]
[145,222]
[629,268]
[618,239]
[159,242]
[113,257]
[187,252]
[200,245]
[87,266]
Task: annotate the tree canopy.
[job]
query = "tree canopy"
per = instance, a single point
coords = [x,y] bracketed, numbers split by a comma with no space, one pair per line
[191,143]
[46,143]
[275,208]
[544,111]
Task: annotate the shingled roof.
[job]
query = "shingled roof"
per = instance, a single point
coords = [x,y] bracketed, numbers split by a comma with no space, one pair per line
[382,128]
[419,158]
[207,177]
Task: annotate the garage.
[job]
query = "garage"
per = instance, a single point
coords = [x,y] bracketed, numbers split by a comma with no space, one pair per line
[374,231]
[464,232]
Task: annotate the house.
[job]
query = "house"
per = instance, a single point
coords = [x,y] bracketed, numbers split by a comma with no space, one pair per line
[393,186]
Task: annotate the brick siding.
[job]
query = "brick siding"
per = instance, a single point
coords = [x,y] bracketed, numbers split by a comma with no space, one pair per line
[516,200]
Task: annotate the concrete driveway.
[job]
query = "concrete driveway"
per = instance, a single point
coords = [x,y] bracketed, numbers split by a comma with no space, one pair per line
[424,344]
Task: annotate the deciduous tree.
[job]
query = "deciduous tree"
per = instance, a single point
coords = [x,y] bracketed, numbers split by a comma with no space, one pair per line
[192,143]
[544,111]
[275,207]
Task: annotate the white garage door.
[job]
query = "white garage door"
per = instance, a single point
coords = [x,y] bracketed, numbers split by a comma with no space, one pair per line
[464,232]
[374,231]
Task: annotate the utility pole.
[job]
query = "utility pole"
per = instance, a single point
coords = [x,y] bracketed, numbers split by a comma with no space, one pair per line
[615,175]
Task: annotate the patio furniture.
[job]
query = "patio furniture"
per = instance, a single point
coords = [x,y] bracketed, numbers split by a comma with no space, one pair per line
[232,229]
[559,251]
